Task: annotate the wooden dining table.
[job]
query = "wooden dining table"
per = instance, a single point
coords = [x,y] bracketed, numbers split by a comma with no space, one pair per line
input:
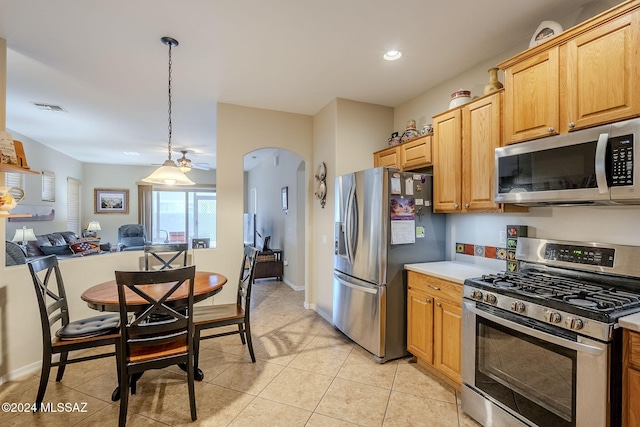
[104,296]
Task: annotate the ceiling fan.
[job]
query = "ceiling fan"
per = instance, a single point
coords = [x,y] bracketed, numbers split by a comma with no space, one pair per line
[185,164]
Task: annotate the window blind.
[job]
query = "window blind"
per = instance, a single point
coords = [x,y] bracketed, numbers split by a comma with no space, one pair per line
[48,186]
[14,179]
[73,205]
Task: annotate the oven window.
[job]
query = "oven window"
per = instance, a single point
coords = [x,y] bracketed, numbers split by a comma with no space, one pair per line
[562,168]
[534,378]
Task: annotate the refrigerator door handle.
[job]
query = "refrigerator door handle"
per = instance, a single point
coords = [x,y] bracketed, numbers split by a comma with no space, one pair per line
[350,225]
[368,289]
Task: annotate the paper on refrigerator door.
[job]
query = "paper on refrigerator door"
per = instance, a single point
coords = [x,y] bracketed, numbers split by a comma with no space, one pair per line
[403,232]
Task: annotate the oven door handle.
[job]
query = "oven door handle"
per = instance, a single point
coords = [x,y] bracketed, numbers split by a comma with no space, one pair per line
[581,347]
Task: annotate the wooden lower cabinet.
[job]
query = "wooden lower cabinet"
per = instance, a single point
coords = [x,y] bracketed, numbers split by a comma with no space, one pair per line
[434,323]
[631,379]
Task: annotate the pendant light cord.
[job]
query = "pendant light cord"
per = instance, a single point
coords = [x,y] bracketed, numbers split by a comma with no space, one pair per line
[170,125]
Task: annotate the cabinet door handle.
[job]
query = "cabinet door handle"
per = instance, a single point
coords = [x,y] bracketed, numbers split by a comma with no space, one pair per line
[572,125]
[551,130]
[435,288]
[438,304]
[456,206]
[428,300]
[466,205]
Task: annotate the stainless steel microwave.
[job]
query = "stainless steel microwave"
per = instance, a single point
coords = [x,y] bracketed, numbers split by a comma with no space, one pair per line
[589,167]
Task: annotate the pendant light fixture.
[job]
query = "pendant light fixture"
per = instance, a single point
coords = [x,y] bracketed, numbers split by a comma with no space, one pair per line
[169,173]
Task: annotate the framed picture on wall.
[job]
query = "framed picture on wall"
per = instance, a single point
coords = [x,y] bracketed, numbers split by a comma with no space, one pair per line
[111,201]
[285,198]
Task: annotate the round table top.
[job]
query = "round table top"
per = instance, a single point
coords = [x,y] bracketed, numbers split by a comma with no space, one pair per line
[104,296]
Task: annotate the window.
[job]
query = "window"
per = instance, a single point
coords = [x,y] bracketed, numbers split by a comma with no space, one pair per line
[14,179]
[48,186]
[181,215]
[73,205]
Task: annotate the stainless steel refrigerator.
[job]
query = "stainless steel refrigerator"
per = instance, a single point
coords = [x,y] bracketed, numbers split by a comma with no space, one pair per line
[383,220]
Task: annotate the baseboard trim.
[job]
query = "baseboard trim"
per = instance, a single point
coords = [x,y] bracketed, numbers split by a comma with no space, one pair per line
[21,372]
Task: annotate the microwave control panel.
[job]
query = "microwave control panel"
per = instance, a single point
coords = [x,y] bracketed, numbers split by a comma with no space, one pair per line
[621,160]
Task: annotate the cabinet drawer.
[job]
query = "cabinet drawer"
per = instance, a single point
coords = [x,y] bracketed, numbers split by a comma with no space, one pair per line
[436,287]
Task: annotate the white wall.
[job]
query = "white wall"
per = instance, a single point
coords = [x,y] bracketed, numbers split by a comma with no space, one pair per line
[260,129]
[39,158]
[345,135]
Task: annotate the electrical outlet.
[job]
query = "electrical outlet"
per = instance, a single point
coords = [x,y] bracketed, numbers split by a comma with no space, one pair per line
[285,262]
[502,237]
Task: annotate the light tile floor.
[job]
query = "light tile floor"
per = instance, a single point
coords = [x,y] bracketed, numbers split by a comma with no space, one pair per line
[306,374]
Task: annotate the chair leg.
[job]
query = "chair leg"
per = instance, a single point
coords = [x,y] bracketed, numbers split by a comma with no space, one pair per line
[192,390]
[62,365]
[44,378]
[124,401]
[247,331]
[242,332]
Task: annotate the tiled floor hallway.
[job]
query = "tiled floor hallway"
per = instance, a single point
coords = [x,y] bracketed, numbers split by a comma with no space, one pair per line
[306,374]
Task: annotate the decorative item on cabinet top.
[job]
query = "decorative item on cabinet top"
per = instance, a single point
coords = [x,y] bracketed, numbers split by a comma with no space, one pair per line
[321,189]
[394,139]
[494,84]
[459,97]
[545,31]
[410,132]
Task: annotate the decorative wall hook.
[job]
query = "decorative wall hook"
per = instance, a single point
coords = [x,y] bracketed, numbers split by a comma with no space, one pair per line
[321,189]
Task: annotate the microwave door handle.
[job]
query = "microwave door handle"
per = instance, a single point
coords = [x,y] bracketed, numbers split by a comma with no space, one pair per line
[601,156]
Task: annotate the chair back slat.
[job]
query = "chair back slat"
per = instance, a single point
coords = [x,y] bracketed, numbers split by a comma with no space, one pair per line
[165,255]
[247,272]
[49,285]
[161,325]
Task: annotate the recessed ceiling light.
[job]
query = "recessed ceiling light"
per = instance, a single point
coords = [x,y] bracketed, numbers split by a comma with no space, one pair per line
[392,55]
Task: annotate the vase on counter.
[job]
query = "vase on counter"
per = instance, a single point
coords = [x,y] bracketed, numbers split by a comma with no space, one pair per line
[494,84]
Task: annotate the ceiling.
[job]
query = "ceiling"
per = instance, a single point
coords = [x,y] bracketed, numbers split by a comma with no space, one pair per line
[104,64]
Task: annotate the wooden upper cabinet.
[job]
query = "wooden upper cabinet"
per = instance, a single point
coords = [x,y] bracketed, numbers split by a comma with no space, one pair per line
[586,76]
[481,135]
[409,155]
[389,157]
[464,146]
[447,156]
[532,97]
[602,74]
[416,154]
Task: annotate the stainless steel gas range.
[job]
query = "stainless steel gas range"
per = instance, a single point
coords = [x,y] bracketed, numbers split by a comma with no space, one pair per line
[541,346]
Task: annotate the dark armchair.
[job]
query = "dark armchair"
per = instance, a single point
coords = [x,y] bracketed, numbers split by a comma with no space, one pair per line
[132,237]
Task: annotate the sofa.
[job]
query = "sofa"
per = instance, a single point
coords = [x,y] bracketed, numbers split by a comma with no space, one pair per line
[63,244]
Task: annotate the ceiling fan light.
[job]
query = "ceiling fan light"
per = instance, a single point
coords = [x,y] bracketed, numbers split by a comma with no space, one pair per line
[168,174]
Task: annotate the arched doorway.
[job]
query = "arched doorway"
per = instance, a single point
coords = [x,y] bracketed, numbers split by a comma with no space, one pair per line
[275,191]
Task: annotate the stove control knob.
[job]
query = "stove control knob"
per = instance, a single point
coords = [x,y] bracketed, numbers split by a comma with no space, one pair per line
[476,295]
[552,316]
[518,307]
[573,323]
[490,299]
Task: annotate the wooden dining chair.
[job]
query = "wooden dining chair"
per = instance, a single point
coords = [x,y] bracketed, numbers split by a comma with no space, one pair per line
[215,316]
[149,344]
[165,255]
[82,334]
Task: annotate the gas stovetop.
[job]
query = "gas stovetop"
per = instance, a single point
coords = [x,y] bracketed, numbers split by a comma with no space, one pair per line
[579,287]
[598,301]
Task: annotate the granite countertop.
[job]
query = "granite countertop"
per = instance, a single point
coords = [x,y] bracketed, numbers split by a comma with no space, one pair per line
[631,322]
[453,271]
